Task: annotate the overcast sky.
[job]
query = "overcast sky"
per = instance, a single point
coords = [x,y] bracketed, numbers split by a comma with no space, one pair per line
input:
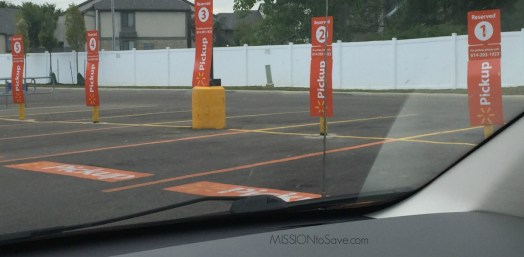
[220,6]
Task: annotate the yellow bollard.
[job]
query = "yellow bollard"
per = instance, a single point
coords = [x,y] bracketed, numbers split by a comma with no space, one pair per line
[96,115]
[208,108]
[21,111]
[323,127]
[488,131]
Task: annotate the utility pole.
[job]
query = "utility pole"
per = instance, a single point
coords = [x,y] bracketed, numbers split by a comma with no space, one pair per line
[113,22]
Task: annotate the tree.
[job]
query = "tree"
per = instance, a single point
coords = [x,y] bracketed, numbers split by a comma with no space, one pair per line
[5,4]
[46,36]
[22,28]
[34,14]
[289,20]
[427,18]
[75,30]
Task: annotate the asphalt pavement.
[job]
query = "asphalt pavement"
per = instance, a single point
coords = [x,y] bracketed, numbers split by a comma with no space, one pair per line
[59,168]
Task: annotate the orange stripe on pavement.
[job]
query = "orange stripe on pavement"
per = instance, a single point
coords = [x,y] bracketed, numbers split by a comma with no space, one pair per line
[219,189]
[80,171]
[122,146]
[288,159]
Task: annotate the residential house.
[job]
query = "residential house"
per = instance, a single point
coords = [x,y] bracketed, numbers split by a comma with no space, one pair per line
[140,24]
[7,28]
[231,23]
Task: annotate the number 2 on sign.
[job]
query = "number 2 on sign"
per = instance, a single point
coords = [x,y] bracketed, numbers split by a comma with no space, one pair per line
[321,34]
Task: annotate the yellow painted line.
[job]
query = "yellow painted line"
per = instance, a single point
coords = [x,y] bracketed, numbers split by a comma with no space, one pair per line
[90,150]
[438,142]
[339,122]
[443,132]
[134,115]
[113,123]
[142,125]
[10,125]
[359,137]
[61,133]
[75,111]
[259,164]
[241,116]
[306,135]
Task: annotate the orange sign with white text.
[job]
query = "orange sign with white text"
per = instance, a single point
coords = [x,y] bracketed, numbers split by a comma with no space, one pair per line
[484,92]
[484,70]
[91,75]
[320,81]
[80,171]
[219,189]
[17,73]
[203,42]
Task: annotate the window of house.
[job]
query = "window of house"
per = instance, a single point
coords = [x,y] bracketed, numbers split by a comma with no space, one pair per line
[128,45]
[128,20]
[149,46]
[8,45]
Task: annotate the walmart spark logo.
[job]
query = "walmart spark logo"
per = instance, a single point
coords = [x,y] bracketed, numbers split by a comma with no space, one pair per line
[201,79]
[91,99]
[486,116]
[320,106]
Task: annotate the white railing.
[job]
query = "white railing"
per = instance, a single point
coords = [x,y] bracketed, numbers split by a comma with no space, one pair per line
[433,63]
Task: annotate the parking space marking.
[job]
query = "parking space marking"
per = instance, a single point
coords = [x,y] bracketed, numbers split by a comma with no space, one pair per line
[275,161]
[339,122]
[143,125]
[75,111]
[80,171]
[62,133]
[240,116]
[219,189]
[135,115]
[356,137]
[122,146]
[241,167]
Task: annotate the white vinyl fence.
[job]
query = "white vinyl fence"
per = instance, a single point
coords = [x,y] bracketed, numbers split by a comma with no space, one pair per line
[432,63]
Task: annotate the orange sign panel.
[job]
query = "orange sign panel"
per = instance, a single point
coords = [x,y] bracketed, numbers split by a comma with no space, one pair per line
[484,92]
[481,52]
[80,171]
[203,42]
[91,81]
[484,27]
[219,189]
[484,73]
[320,81]
[17,73]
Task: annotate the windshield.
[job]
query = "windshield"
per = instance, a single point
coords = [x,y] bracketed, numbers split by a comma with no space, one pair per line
[110,108]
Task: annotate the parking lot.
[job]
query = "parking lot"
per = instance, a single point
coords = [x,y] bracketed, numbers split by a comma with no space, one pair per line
[58,168]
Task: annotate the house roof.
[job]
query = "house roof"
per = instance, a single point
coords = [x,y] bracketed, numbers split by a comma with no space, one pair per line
[7,21]
[230,21]
[145,5]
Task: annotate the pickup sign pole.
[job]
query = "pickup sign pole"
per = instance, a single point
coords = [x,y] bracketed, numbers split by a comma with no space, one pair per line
[96,114]
[21,111]
[488,131]
[484,70]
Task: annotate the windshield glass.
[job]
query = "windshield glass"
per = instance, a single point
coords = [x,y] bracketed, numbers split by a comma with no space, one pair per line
[109,108]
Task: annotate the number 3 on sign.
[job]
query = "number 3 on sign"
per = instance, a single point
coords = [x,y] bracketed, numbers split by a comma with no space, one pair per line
[203,14]
[321,34]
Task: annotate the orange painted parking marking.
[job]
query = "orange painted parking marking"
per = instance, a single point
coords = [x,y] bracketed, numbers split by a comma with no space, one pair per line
[276,161]
[218,189]
[80,171]
[248,166]
[121,146]
[62,133]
